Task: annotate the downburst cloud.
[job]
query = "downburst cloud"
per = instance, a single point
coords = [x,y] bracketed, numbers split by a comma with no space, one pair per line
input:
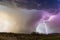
[29,16]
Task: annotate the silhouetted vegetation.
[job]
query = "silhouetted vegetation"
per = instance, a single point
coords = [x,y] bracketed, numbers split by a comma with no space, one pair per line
[33,36]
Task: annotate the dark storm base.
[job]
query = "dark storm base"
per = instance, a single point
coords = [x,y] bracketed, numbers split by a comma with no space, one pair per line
[33,36]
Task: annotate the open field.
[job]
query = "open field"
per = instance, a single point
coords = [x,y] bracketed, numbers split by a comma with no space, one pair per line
[33,36]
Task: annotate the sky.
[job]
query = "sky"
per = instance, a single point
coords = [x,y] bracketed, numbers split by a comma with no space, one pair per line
[19,20]
[23,18]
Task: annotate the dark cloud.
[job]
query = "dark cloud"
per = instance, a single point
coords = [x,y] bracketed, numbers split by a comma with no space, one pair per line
[34,4]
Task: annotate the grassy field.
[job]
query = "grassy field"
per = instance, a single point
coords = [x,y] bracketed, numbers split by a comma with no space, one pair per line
[33,36]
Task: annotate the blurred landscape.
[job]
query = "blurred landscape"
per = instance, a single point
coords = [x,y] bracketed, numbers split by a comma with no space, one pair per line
[30,4]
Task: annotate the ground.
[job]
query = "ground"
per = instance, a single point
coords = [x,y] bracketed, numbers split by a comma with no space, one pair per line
[33,36]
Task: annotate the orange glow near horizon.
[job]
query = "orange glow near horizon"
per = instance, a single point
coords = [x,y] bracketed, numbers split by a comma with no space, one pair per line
[6,22]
